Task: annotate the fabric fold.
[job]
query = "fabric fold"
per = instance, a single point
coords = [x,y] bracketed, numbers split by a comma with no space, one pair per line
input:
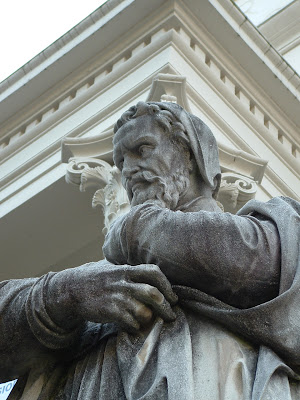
[158,363]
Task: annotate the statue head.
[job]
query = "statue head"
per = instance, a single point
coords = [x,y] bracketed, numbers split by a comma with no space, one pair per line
[158,147]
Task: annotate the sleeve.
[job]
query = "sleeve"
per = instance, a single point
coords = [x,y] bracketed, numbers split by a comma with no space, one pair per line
[233,258]
[28,337]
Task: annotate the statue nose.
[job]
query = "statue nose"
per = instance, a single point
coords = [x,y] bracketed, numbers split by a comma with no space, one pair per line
[130,166]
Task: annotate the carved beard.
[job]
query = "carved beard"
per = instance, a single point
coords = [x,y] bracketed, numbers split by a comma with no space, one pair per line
[165,190]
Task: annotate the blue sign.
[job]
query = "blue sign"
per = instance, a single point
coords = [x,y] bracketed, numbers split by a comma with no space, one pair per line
[6,388]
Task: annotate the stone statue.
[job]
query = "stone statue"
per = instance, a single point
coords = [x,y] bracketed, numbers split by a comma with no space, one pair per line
[190,303]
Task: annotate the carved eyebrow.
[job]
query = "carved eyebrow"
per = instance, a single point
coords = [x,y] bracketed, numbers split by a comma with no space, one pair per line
[147,139]
[120,147]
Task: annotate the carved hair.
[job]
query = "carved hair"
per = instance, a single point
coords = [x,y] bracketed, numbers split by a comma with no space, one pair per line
[188,132]
[164,118]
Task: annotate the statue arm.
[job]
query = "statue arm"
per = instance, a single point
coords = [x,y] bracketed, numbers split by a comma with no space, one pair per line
[233,258]
[42,320]
[19,347]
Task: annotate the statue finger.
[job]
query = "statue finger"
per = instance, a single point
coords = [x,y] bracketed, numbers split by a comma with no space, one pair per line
[151,296]
[141,312]
[128,323]
[152,275]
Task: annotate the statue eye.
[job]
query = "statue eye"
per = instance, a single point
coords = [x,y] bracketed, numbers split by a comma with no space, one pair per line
[145,149]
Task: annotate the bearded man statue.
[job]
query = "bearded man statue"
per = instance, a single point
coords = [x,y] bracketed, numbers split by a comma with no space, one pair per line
[190,302]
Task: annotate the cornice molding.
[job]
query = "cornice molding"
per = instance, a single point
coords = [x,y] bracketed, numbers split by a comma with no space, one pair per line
[71,45]
[78,95]
[255,40]
[98,50]
[225,66]
[282,29]
[97,22]
[216,76]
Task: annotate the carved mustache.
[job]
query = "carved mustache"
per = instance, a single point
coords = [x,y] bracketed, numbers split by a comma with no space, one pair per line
[142,177]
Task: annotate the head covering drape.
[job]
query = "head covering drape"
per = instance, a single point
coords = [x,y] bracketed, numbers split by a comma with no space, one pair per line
[202,142]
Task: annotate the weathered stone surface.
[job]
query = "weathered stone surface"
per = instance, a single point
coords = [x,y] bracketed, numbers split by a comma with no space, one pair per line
[190,302]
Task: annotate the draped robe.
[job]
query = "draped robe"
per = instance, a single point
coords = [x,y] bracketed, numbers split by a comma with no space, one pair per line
[213,350]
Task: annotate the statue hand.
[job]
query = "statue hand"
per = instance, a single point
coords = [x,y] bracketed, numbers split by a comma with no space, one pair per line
[103,292]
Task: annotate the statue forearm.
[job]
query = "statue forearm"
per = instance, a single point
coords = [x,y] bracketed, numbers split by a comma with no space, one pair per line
[20,349]
[223,255]
[43,319]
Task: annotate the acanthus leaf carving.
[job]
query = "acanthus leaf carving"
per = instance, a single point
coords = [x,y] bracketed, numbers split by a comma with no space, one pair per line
[112,198]
[95,177]
[110,195]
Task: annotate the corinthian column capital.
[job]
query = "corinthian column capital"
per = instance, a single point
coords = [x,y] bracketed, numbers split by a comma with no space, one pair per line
[235,191]
[106,180]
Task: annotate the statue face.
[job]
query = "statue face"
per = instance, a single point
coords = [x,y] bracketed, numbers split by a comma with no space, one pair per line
[152,166]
